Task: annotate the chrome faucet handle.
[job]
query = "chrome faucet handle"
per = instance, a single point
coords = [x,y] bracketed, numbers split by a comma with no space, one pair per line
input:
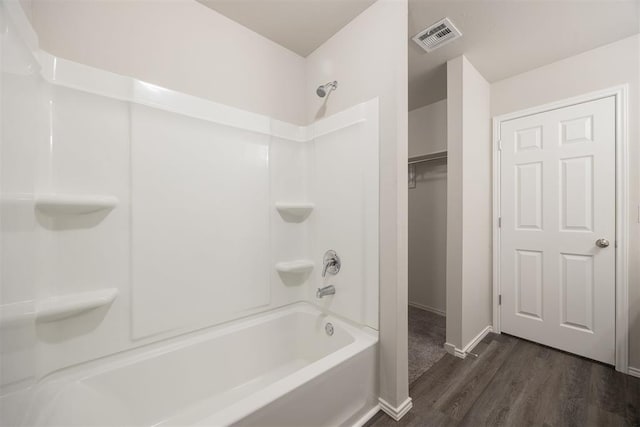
[331,263]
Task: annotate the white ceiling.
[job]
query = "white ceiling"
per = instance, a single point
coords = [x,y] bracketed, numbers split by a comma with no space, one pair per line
[298,25]
[501,38]
[505,38]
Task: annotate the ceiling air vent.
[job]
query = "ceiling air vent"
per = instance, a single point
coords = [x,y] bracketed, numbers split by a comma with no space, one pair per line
[438,34]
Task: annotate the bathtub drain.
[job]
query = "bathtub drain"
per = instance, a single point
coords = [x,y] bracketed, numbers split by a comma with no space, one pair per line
[328,328]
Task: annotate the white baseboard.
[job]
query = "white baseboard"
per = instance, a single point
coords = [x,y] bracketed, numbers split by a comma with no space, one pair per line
[454,351]
[462,353]
[634,372]
[483,333]
[366,417]
[427,308]
[393,412]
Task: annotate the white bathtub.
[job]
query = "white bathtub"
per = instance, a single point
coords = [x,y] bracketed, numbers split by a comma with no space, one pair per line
[276,369]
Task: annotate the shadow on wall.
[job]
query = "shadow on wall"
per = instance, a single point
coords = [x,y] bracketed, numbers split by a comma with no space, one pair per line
[294,278]
[437,172]
[428,236]
[60,223]
[322,111]
[634,325]
[73,327]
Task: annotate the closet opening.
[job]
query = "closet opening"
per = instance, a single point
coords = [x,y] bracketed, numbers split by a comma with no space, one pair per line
[427,165]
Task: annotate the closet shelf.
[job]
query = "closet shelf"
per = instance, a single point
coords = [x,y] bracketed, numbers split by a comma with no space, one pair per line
[294,212]
[428,157]
[298,266]
[74,204]
[62,307]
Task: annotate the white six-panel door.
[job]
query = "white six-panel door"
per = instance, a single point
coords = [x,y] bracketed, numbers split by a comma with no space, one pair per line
[557,199]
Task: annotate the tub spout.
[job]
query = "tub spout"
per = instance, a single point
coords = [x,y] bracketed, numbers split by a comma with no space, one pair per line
[327,290]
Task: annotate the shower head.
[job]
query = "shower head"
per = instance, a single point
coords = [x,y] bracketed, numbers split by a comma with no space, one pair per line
[325,89]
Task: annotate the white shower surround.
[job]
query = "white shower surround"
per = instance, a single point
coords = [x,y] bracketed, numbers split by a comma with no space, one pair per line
[330,170]
[91,118]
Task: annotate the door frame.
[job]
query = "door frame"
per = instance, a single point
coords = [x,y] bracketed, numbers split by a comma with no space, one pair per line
[622,210]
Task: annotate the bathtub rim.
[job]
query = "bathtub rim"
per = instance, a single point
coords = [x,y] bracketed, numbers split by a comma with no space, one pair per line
[158,348]
[364,337]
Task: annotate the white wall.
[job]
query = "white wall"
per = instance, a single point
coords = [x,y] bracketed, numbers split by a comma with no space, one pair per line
[469,284]
[368,57]
[477,220]
[454,201]
[177,44]
[428,209]
[611,65]
[428,129]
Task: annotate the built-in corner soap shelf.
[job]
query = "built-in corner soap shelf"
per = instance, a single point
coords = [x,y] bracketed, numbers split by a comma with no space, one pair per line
[74,204]
[62,307]
[55,308]
[301,266]
[294,211]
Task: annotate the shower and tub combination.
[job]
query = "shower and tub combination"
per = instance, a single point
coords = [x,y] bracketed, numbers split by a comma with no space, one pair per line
[168,260]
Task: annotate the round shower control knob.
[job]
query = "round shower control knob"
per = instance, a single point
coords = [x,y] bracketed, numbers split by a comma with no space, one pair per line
[602,243]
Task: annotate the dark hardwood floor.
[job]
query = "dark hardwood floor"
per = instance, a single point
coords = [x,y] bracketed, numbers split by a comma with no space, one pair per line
[515,382]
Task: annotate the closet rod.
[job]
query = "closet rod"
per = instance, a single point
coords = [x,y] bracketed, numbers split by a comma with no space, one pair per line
[428,158]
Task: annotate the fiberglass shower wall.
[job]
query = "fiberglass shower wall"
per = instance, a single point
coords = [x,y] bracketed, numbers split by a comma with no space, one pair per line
[132,213]
[22,125]
[200,221]
[345,190]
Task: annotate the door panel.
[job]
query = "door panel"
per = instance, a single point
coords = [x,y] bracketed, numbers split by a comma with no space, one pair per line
[529,283]
[557,198]
[529,196]
[576,194]
[577,291]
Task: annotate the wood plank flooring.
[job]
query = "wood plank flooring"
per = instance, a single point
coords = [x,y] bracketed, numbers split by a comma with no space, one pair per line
[515,382]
